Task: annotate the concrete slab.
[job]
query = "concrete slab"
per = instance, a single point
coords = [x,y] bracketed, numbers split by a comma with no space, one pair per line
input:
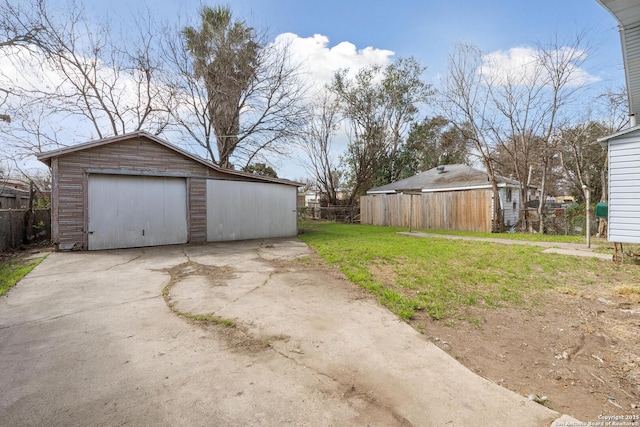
[572,249]
[88,339]
[578,252]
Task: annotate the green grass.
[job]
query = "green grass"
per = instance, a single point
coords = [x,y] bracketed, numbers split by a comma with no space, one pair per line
[14,270]
[208,318]
[201,318]
[443,278]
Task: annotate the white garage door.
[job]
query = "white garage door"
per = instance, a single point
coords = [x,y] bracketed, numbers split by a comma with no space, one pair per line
[134,211]
[250,210]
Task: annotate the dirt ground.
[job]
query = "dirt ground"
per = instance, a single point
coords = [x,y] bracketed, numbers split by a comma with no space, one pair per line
[581,351]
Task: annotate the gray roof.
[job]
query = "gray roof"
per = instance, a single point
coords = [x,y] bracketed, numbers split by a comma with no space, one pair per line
[8,191]
[624,133]
[627,12]
[454,177]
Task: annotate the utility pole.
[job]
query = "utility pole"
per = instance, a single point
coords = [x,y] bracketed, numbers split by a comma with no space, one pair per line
[588,199]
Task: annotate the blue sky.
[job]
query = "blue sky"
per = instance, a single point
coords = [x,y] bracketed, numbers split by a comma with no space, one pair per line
[425,29]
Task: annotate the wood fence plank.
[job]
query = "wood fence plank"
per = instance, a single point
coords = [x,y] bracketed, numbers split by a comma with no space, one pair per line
[453,210]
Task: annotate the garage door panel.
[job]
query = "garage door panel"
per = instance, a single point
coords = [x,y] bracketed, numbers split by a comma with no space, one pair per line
[249,210]
[133,211]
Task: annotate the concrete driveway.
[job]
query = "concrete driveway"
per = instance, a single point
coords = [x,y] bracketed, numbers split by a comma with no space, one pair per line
[89,339]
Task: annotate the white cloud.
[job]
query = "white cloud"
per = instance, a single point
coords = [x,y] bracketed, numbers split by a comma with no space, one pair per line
[318,59]
[522,65]
[321,61]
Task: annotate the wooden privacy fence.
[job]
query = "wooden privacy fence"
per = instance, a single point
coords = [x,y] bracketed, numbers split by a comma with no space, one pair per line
[12,226]
[452,210]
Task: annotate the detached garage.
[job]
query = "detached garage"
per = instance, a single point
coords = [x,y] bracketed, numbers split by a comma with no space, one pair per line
[138,190]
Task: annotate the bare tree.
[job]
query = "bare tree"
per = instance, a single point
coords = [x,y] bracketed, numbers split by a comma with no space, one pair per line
[317,144]
[19,26]
[513,96]
[87,78]
[516,111]
[234,89]
[561,65]
[465,99]
[584,160]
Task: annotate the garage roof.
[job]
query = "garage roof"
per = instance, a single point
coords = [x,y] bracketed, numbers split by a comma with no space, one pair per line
[46,157]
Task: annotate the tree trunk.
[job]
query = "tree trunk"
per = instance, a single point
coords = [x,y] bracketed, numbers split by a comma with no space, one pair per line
[27,229]
[498,222]
[543,192]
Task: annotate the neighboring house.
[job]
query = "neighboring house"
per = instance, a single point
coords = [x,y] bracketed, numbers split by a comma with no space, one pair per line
[12,197]
[312,198]
[566,199]
[624,146]
[14,194]
[450,197]
[138,190]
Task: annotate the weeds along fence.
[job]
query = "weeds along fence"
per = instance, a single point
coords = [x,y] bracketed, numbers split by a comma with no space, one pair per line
[13,223]
[569,221]
[349,214]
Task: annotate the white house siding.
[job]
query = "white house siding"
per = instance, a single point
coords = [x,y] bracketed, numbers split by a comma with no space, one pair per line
[510,214]
[250,210]
[624,190]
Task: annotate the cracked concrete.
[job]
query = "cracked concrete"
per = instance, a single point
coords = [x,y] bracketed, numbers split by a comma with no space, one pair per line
[88,339]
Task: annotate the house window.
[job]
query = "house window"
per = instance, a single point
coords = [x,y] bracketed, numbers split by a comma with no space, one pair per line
[508,194]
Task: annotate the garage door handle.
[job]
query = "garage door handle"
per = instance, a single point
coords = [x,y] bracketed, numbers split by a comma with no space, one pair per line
[90,232]
[143,232]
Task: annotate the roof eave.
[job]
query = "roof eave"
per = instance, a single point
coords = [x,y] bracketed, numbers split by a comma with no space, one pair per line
[381,192]
[606,139]
[46,157]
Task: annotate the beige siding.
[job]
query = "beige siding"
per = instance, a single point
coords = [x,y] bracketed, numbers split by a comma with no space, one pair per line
[197,210]
[137,156]
[452,210]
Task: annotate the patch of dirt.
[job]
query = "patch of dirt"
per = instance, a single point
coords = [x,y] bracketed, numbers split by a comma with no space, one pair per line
[237,336]
[581,351]
[25,253]
[217,276]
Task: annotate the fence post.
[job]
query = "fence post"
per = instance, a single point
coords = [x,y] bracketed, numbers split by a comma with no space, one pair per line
[11,234]
[588,194]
